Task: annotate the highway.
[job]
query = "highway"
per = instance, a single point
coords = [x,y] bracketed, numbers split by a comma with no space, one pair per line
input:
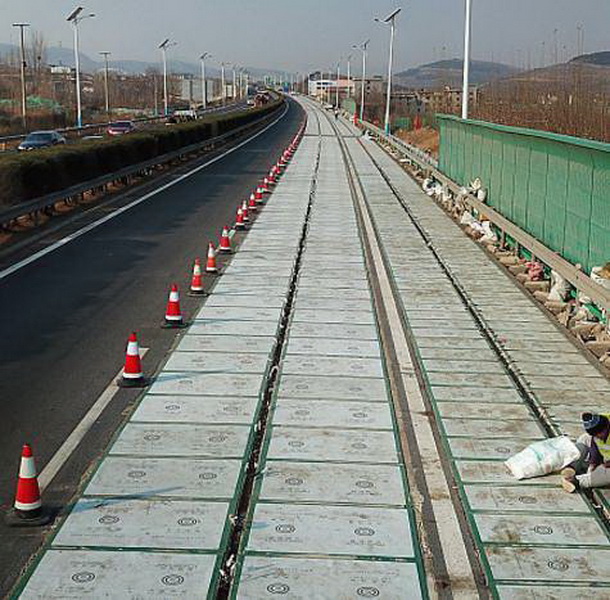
[66,315]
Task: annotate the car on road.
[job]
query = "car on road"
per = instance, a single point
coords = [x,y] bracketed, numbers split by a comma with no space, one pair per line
[41,139]
[120,128]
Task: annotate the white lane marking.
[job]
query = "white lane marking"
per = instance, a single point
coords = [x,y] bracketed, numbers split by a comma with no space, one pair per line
[78,433]
[69,238]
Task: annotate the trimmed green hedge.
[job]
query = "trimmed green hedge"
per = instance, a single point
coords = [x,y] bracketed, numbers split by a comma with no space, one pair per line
[30,175]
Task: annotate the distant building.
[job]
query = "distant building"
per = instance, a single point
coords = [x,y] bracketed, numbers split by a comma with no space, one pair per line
[319,87]
[447,100]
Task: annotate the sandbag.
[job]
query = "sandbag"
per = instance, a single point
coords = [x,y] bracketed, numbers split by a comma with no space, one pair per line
[542,458]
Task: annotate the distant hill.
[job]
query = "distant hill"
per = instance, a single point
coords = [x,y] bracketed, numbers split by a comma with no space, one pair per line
[449,72]
[596,58]
[58,55]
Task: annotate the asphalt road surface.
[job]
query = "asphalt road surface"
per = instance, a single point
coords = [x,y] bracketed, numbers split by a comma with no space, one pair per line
[65,319]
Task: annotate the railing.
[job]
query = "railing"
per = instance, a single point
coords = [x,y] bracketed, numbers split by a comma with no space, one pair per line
[599,295]
[47,202]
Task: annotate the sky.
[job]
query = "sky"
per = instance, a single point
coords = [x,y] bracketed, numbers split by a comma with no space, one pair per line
[305,35]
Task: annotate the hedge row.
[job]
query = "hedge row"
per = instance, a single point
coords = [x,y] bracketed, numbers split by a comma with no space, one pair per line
[29,175]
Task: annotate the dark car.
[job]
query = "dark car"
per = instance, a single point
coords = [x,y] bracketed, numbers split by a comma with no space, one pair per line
[41,139]
[120,128]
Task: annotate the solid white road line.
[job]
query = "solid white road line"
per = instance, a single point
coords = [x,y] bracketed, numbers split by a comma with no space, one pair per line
[78,433]
[36,256]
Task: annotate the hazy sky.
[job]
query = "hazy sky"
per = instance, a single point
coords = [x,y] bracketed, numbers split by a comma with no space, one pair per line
[301,35]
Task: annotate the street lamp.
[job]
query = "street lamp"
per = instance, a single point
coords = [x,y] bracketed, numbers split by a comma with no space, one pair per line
[349,75]
[75,18]
[337,84]
[223,83]
[233,91]
[391,21]
[363,48]
[24,99]
[466,66]
[106,54]
[204,89]
[163,46]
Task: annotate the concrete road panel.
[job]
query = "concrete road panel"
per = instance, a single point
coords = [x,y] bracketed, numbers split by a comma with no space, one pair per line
[309,579]
[342,530]
[78,574]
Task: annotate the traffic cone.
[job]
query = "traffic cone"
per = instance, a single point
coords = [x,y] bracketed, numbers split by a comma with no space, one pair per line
[196,288]
[211,266]
[28,504]
[258,195]
[132,372]
[244,211]
[265,186]
[173,314]
[271,178]
[239,219]
[252,203]
[225,241]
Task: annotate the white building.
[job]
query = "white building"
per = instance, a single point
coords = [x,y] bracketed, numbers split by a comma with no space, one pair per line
[318,87]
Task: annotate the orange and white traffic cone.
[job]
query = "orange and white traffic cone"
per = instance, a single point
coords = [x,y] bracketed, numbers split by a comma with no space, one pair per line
[211,266]
[28,504]
[196,288]
[258,195]
[244,211]
[225,241]
[271,178]
[265,186]
[173,313]
[132,371]
[239,219]
[252,207]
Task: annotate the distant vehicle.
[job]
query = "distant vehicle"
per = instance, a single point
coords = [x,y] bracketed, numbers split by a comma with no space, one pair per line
[41,139]
[120,128]
[250,102]
[328,106]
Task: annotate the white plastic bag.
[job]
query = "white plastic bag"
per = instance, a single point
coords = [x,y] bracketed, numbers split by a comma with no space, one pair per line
[560,288]
[541,458]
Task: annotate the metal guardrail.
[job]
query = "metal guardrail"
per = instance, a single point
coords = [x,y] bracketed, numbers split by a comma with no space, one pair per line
[599,295]
[43,203]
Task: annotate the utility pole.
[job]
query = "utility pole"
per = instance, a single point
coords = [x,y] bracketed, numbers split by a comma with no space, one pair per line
[391,21]
[337,85]
[24,98]
[204,89]
[466,66]
[106,54]
[163,46]
[75,18]
[363,48]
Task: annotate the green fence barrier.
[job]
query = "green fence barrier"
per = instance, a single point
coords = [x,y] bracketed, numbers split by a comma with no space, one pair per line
[555,187]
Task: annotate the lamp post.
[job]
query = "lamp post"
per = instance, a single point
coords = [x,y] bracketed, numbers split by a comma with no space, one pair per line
[204,89]
[223,83]
[391,21]
[75,18]
[233,91]
[24,98]
[349,75]
[337,85]
[163,46]
[106,54]
[466,66]
[363,48]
